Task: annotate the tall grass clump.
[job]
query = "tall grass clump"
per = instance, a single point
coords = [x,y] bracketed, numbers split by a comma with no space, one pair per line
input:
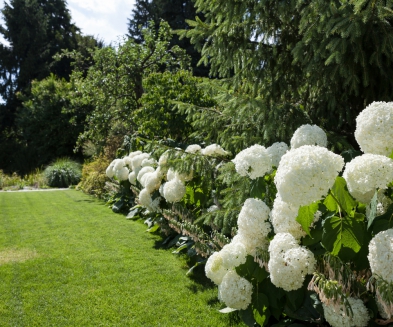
[63,172]
[7,181]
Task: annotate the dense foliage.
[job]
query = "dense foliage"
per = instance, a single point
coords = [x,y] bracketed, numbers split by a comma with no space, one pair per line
[293,235]
[175,13]
[330,58]
[114,84]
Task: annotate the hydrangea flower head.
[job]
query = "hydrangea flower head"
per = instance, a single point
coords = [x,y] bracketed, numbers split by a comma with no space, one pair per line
[233,254]
[142,172]
[289,262]
[215,269]
[306,174]
[253,162]
[253,219]
[336,316]
[235,291]
[151,181]
[132,177]
[380,255]
[374,128]
[110,172]
[119,164]
[145,198]
[173,191]
[365,173]
[308,135]
[283,217]
[193,148]
[122,174]
[214,150]
[276,151]
[136,161]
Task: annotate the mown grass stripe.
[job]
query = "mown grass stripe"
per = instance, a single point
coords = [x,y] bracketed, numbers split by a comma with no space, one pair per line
[92,268]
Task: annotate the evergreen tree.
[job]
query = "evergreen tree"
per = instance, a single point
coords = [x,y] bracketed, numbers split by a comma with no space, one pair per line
[174,12]
[143,12]
[329,58]
[36,30]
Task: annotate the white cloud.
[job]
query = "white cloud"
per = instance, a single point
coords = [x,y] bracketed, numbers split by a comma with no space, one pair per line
[96,6]
[105,19]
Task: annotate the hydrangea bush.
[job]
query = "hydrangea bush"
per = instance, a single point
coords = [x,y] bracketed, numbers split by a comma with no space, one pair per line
[290,234]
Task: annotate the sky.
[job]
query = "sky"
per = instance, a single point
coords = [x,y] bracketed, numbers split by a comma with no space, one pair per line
[104,19]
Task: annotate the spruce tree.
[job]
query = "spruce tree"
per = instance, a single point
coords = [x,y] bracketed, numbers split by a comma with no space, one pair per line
[175,13]
[331,59]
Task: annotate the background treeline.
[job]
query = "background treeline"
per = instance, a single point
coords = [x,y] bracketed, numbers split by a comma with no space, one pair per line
[227,72]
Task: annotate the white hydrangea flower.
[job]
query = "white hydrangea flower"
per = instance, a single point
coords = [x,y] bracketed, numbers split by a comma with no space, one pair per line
[252,244]
[122,174]
[374,128]
[214,150]
[253,226]
[174,190]
[336,316]
[145,198]
[253,162]
[215,269]
[110,172]
[233,254]
[253,219]
[308,135]
[276,151]
[133,154]
[193,148]
[283,218]
[380,255]
[127,161]
[132,177]
[119,164]
[235,291]
[171,174]
[151,181]
[148,162]
[136,161]
[289,263]
[142,172]
[282,242]
[365,173]
[306,174]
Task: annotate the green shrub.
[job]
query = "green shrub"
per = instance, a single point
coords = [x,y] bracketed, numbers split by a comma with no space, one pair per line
[94,177]
[63,172]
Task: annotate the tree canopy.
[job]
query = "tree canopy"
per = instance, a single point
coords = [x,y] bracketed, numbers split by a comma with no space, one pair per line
[175,13]
[330,58]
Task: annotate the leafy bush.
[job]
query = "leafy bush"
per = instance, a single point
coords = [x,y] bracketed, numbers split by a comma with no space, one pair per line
[63,172]
[290,235]
[94,177]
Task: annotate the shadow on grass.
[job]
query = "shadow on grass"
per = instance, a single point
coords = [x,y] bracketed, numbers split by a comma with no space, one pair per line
[89,201]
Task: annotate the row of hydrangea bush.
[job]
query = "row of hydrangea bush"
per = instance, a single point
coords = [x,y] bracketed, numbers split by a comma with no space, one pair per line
[313,242]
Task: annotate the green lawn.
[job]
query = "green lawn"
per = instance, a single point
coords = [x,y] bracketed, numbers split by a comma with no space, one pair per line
[67,260]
